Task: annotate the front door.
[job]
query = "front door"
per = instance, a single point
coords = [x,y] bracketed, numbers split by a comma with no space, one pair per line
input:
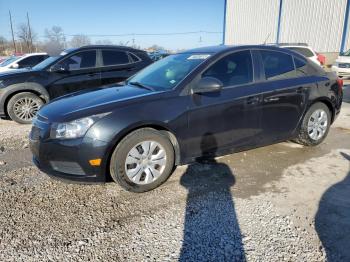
[229,118]
[80,73]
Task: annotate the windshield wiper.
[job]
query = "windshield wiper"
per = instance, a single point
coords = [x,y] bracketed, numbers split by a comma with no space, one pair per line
[141,85]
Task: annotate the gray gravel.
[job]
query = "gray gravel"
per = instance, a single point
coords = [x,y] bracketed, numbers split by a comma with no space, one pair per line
[258,205]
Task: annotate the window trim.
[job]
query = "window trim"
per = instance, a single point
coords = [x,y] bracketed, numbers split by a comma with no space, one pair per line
[295,67]
[227,54]
[133,62]
[80,51]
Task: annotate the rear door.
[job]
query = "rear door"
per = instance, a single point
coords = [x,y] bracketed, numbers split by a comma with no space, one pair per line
[117,66]
[284,95]
[81,73]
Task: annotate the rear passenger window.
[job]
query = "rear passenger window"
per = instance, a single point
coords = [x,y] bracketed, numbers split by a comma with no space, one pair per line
[277,65]
[112,57]
[300,66]
[234,69]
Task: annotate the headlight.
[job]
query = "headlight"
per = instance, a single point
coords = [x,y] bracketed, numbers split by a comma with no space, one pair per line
[74,129]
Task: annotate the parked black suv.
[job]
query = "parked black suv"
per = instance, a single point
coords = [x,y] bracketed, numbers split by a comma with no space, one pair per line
[23,92]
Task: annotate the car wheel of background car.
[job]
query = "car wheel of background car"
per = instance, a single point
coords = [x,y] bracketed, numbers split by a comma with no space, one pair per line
[315,125]
[142,161]
[22,107]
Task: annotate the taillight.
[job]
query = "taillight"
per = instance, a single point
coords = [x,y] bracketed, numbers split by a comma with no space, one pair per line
[340,83]
[321,58]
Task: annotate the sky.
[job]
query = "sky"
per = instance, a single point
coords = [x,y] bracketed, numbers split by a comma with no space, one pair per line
[108,17]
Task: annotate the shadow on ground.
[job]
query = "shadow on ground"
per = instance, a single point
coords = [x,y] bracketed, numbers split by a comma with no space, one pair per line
[332,220]
[211,230]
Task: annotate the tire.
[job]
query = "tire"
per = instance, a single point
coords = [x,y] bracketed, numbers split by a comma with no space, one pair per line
[22,107]
[146,169]
[306,136]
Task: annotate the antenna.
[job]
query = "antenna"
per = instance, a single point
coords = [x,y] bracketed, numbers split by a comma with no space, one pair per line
[267,38]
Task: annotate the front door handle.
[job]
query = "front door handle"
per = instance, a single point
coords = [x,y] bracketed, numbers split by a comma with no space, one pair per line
[253,100]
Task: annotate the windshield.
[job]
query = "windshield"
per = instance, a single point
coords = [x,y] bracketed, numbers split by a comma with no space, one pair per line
[168,72]
[9,60]
[347,53]
[46,62]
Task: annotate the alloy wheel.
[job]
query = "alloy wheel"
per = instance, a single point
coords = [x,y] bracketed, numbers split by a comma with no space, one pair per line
[317,125]
[26,108]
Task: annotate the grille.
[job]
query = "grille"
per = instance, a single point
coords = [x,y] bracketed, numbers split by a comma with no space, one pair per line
[344,65]
[67,167]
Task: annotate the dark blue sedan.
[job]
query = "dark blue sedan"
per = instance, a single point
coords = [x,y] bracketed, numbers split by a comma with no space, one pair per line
[199,103]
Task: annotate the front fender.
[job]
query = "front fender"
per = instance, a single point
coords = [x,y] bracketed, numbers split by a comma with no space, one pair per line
[7,92]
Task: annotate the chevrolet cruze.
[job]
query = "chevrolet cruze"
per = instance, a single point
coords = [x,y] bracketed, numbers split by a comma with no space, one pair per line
[199,103]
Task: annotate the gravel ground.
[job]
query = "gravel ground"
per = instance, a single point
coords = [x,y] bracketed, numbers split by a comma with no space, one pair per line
[278,203]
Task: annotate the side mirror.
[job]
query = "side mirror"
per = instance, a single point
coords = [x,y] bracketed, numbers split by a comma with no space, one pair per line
[207,85]
[15,66]
[58,68]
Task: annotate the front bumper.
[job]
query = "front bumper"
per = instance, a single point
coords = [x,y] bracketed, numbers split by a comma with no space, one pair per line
[68,159]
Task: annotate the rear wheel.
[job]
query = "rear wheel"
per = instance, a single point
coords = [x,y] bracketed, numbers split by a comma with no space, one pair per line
[142,161]
[22,107]
[315,125]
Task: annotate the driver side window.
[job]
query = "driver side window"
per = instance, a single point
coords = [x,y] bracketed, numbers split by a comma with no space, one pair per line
[233,69]
[82,60]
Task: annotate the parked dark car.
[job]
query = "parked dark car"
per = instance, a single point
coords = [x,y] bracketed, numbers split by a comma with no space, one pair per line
[23,92]
[202,102]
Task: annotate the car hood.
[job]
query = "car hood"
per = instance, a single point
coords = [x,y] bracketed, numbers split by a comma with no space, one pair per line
[82,104]
[8,71]
[343,59]
[18,74]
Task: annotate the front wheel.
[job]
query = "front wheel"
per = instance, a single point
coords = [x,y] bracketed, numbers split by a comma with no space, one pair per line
[22,107]
[142,161]
[315,125]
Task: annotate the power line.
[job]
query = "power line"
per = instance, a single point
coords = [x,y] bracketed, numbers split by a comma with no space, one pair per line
[144,34]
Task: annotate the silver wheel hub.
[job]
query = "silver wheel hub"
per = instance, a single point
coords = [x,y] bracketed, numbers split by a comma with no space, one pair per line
[26,108]
[317,125]
[145,162]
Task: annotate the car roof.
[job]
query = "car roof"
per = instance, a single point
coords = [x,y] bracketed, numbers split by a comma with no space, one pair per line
[127,48]
[32,54]
[226,48]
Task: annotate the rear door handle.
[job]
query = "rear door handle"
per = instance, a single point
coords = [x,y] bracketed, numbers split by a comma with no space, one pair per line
[271,99]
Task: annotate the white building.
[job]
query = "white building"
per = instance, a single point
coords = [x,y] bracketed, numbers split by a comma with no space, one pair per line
[323,24]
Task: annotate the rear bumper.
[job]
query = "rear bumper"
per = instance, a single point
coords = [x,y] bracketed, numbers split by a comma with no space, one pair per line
[342,72]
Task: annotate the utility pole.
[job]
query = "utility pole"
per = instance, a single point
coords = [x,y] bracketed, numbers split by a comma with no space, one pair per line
[30,34]
[13,37]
